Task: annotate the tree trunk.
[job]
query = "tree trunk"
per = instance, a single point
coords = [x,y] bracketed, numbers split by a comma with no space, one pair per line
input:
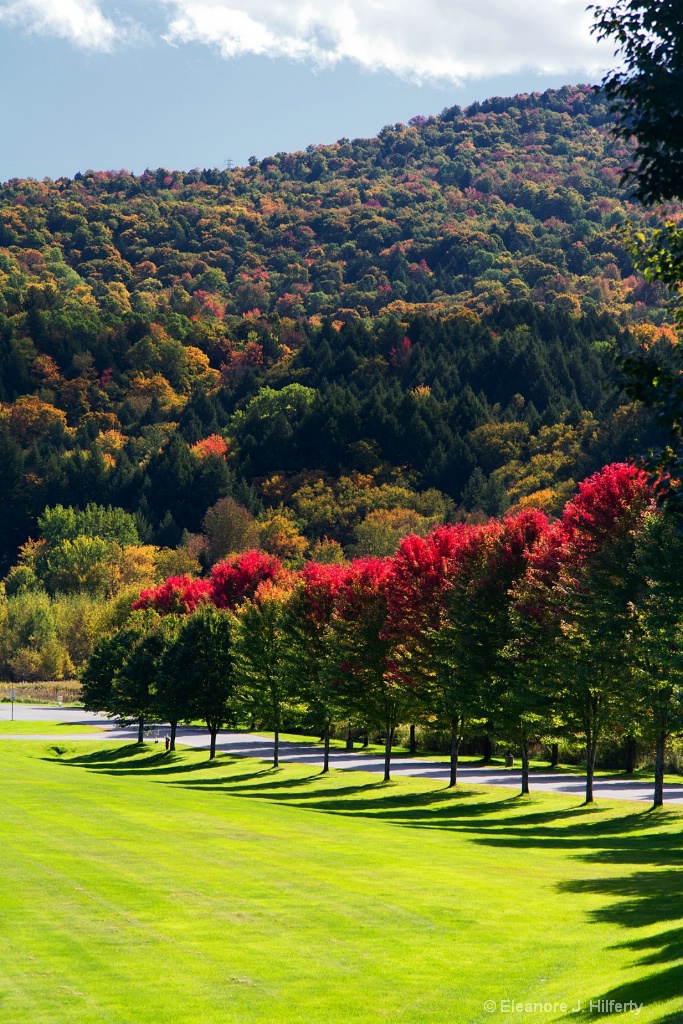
[276,747]
[488,748]
[524,744]
[659,770]
[387,753]
[554,755]
[214,733]
[591,749]
[349,739]
[455,749]
[412,748]
[174,727]
[631,754]
[326,736]
[141,730]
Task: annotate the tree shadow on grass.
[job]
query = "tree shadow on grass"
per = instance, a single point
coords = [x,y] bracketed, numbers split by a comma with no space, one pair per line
[444,809]
[642,899]
[126,760]
[635,856]
[108,755]
[615,841]
[643,846]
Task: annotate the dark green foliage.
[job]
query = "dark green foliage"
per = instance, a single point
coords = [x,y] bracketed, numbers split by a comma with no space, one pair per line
[204,668]
[120,676]
[260,662]
[645,94]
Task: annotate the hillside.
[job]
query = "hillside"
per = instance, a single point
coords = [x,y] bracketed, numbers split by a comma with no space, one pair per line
[512,198]
[420,323]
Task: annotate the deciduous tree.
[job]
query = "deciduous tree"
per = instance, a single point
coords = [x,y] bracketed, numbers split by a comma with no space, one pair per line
[204,658]
[370,682]
[261,657]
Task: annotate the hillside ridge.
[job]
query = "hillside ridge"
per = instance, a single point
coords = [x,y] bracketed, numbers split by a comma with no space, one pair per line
[421,321]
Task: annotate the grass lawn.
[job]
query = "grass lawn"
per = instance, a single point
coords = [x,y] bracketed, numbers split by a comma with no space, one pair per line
[138,888]
[475,761]
[45,728]
[376,749]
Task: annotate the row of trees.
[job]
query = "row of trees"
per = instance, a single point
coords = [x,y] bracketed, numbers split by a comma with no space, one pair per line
[520,628]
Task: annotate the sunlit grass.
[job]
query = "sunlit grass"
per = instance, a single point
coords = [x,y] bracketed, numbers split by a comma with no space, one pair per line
[138,887]
[536,765]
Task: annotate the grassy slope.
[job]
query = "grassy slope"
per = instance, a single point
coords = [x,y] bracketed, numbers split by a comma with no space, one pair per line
[134,890]
[45,728]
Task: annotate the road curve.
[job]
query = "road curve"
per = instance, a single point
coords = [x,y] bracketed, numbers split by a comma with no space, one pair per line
[260,747]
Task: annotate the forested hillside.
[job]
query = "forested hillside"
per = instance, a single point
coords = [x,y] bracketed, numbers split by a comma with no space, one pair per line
[354,341]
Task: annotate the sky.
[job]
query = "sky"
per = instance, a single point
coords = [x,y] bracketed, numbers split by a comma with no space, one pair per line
[109,84]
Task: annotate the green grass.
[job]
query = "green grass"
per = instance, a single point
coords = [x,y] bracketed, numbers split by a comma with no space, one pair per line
[138,887]
[9,728]
[475,760]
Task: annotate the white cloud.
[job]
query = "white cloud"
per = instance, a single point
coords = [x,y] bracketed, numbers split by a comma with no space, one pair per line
[418,40]
[415,39]
[80,21]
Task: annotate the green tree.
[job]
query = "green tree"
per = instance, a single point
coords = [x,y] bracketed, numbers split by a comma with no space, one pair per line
[656,636]
[644,92]
[382,531]
[230,528]
[117,679]
[82,565]
[110,524]
[312,648]
[173,693]
[524,708]
[261,659]
[30,644]
[370,685]
[135,682]
[204,659]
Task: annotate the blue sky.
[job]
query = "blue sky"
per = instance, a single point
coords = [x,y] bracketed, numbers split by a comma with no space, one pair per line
[187,83]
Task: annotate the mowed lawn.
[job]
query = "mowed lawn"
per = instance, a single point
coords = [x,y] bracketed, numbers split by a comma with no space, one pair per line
[140,888]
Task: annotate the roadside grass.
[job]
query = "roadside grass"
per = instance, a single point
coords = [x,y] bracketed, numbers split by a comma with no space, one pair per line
[138,886]
[474,760]
[39,728]
[376,749]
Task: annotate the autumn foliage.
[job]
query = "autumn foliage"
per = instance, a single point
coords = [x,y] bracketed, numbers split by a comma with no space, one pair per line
[527,622]
[408,590]
[230,583]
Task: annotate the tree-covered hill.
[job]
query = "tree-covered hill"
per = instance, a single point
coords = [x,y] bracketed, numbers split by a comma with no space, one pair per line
[416,324]
[511,198]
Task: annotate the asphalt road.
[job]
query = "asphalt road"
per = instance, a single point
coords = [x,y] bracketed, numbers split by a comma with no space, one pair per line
[253,745]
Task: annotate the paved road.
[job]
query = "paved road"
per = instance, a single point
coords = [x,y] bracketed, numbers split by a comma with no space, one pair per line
[253,745]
